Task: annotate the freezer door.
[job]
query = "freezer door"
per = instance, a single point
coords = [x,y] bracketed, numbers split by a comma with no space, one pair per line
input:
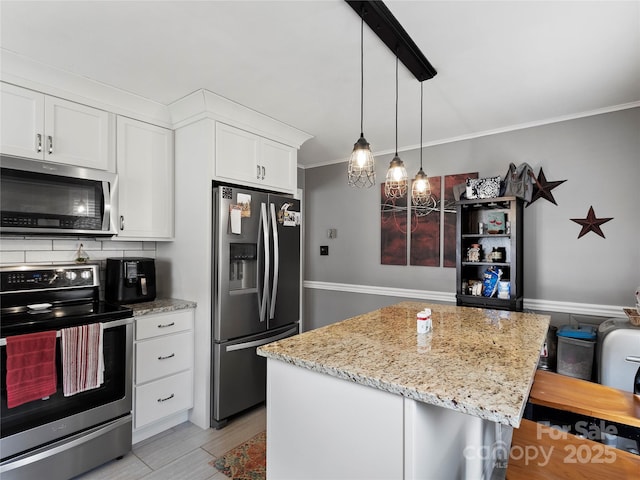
[284,295]
[240,232]
[240,375]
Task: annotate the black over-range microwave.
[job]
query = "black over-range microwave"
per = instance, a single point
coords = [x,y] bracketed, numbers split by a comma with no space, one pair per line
[38,197]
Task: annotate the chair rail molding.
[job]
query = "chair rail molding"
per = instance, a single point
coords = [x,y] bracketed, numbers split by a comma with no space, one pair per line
[450,297]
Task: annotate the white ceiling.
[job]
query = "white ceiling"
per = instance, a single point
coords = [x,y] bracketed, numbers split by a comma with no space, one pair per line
[501,64]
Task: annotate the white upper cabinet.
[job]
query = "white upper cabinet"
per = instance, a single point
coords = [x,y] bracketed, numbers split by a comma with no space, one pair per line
[76,134]
[145,162]
[39,126]
[249,159]
[236,156]
[278,165]
[22,113]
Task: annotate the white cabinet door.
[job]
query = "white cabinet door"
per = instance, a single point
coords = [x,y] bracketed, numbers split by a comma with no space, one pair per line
[38,126]
[163,356]
[237,155]
[157,400]
[76,134]
[248,159]
[279,162]
[22,122]
[145,177]
[150,326]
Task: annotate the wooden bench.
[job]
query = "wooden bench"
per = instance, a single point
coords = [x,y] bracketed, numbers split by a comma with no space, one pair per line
[545,453]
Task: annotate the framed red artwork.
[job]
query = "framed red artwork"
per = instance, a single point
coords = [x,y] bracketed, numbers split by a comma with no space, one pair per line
[393,229]
[425,230]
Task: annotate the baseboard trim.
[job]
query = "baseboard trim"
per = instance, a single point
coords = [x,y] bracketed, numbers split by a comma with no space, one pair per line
[448,297]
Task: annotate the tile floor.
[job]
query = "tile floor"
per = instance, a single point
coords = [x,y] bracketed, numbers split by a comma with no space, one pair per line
[183,452]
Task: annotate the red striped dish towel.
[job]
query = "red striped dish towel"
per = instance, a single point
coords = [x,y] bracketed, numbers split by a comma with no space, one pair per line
[31,367]
[82,358]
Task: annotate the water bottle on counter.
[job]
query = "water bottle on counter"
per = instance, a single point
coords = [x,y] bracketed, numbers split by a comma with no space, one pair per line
[423,319]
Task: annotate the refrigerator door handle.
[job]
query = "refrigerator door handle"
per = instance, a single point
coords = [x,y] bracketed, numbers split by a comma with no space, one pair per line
[264,227]
[276,261]
[262,341]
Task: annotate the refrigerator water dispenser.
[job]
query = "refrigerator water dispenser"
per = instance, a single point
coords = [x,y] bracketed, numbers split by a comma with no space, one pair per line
[242,266]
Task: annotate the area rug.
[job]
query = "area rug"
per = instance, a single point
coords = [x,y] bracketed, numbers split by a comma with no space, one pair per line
[247,461]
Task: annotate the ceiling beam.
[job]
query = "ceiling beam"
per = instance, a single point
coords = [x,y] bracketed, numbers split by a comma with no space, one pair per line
[388,29]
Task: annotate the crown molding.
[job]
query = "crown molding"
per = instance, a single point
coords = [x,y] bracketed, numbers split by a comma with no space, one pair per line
[31,74]
[206,104]
[486,133]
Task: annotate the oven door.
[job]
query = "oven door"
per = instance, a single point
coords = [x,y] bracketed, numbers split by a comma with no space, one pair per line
[39,422]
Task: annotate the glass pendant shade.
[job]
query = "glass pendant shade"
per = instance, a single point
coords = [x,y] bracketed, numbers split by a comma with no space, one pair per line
[396,181]
[361,170]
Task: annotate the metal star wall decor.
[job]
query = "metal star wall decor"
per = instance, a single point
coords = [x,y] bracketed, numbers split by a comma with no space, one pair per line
[591,223]
[542,188]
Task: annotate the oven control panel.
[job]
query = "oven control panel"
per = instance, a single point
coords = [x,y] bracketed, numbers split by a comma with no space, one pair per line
[30,278]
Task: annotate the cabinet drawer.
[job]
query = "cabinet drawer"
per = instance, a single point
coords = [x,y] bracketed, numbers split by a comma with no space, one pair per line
[154,325]
[163,356]
[162,398]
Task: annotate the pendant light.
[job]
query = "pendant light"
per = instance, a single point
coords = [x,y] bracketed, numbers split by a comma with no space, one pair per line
[396,181]
[421,190]
[361,170]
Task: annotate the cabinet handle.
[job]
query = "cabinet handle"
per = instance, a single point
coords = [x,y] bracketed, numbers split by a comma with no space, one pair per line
[166,325]
[160,400]
[258,172]
[121,222]
[50,140]
[632,359]
[263,172]
[168,356]
[38,142]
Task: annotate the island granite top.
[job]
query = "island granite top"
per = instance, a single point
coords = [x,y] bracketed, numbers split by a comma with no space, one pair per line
[476,361]
[160,305]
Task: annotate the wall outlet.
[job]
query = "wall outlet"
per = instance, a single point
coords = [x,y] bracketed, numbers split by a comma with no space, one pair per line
[324,249]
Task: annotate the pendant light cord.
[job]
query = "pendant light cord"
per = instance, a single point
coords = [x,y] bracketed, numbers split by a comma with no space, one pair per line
[421,103]
[396,103]
[362,73]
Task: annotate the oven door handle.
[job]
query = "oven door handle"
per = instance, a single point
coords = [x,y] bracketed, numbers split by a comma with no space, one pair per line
[118,323]
[106,326]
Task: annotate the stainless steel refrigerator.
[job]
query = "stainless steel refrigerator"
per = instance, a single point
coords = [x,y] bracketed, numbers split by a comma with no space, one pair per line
[256,291]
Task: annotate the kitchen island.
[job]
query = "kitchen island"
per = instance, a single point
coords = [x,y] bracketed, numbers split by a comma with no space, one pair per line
[369,397]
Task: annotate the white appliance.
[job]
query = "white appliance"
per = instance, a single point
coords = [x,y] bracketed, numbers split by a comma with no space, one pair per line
[618,361]
[618,353]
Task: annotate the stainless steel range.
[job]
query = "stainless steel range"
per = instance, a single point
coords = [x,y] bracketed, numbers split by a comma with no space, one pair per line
[63,434]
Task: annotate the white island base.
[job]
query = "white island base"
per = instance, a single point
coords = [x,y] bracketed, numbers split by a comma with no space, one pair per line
[323,427]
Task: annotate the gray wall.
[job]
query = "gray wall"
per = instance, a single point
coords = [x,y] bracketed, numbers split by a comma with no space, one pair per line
[599,156]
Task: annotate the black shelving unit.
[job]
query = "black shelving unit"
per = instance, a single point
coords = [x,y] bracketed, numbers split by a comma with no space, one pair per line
[470,213]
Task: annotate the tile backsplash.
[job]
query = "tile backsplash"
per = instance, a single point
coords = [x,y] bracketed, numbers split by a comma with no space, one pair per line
[29,250]
[16,250]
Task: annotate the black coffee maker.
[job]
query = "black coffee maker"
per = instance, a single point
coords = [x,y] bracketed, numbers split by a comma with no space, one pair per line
[130,280]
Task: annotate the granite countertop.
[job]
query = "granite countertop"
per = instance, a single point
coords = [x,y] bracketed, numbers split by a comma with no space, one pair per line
[160,305]
[479,362]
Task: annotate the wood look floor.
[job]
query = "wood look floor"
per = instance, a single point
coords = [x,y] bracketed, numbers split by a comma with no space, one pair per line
[183,452]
